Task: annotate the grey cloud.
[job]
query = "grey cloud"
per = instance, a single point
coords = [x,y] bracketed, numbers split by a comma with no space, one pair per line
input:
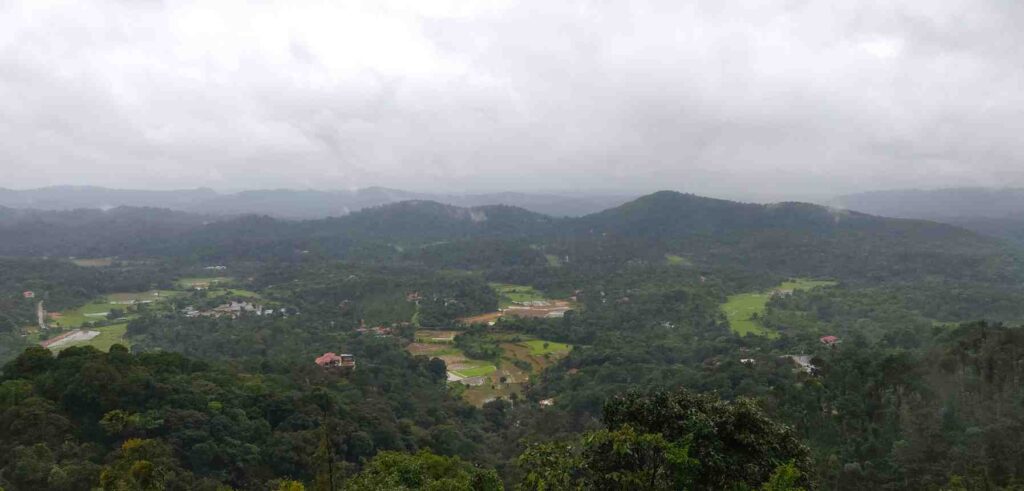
[756,100]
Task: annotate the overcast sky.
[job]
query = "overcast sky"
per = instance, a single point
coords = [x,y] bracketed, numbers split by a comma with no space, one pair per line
[771,99]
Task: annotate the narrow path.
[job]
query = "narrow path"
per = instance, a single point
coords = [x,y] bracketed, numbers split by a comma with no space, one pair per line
[41,315]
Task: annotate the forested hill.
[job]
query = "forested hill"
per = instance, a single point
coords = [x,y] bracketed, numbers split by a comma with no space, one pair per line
[796,238]
[784,238]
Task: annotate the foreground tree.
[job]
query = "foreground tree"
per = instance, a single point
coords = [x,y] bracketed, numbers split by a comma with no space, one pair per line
[612,460]
[672,440]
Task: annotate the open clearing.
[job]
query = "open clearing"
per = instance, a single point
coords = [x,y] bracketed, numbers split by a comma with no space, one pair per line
[740,309]
[480,381]
[540,347]
[191,283]
[101,338]
[98,309]
[98,262]
[674,260]
[487,318]
[509,294]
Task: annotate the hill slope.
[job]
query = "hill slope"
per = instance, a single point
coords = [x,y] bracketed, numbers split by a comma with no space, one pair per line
[798,239]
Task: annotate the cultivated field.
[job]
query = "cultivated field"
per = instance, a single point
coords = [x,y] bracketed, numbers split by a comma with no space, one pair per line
[480,381]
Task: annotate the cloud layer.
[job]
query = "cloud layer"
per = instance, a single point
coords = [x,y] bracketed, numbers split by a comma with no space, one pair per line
[771,99]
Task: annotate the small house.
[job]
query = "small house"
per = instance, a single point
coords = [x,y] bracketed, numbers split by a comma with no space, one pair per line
[829,340]
[332,360]
[29,294]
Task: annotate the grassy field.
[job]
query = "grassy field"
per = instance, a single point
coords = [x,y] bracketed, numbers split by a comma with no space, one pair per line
[740,309]
[539,347]
[553,260]
[674,260]
[509,294]
[109,336]
[97,310]
[476,371]
[189,283]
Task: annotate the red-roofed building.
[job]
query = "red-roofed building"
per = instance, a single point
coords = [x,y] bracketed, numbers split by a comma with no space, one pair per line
[331,360]
[29,294]
[829,340]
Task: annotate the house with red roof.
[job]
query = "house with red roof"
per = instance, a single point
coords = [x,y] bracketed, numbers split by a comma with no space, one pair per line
[332,360]
[829,340]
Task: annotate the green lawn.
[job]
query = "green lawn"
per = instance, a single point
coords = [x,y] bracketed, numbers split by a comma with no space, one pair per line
[477,371]
[537,347]
[740,309]
[553,260]
[509,294]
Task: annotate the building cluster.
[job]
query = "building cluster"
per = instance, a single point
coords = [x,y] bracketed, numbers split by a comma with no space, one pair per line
[379,331]
[231,309]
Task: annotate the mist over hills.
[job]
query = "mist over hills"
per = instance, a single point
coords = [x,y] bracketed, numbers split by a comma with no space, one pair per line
[292,204]
[988,211]
[938,203]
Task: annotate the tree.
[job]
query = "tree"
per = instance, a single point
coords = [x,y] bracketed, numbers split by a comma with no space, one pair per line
[144,465]
[735,442]
[610,460]
[423,471]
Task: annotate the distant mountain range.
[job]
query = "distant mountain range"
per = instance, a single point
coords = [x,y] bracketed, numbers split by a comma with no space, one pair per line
[291,204]
[995,212]
[938,203]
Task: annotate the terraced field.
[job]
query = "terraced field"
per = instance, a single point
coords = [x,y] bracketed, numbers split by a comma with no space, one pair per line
[480,381]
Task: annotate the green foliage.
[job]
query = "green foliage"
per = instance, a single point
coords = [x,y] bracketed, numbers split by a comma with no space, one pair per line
[735,442]
[394,471]
[614,460]
[785,478]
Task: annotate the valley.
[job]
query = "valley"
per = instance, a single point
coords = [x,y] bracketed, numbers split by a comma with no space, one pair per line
[488,333]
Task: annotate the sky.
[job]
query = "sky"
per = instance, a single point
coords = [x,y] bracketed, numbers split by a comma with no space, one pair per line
[757,99]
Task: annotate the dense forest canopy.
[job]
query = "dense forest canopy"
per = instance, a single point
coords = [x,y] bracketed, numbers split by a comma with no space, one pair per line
[498,348]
